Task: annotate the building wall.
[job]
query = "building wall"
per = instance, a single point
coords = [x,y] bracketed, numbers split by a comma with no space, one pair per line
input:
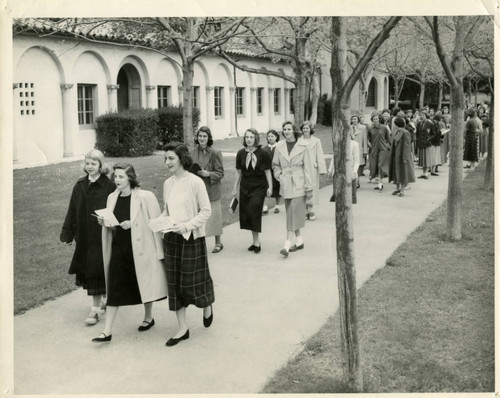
[51,124]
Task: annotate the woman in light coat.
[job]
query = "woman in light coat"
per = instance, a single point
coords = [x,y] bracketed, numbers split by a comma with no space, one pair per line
[132,252]
[318,162]
[359,133]
[293,168]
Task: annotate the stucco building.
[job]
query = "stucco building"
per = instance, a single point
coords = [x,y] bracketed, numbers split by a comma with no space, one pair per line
[62,83]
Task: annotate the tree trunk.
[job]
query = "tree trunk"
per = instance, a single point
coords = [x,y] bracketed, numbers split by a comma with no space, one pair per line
[300,95]
[396,92]
[422,96]
[440,95]
[315,99]
[187,103]
[346,271]
[455,181]
[362,96]
[489,180]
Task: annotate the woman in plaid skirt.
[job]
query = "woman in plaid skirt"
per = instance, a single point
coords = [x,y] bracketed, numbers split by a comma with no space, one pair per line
[188,277]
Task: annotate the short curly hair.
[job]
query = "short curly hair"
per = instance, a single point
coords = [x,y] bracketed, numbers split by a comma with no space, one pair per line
[182,153]
[275,133]
[307,123]
[255,134]
[296,132]
[129,171]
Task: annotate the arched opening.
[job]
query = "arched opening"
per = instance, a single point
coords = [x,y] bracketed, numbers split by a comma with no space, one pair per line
[129,92]
[371,100]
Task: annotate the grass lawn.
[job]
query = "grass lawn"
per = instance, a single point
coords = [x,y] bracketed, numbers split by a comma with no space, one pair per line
[426,320]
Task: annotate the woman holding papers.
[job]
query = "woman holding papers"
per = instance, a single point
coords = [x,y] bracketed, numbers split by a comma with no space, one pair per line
[212,172]
[132,252]
[89,193]
[188,276]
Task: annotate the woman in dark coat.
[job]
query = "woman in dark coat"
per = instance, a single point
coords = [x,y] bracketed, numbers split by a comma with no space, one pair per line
[471,148]
[272,140]
[254,182]
[426,131]
[401,165]
[212,172]
[379,142]
[89,194]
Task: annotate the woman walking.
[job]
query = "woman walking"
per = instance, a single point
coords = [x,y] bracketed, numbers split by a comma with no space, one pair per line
[471,148]
[401,165]
[293,168]
[188,276]
[132,252]
[379,142]
[252,185]
[359,133]
[319,165]
[89,194]
[212,172]
[272,140]
[425,133]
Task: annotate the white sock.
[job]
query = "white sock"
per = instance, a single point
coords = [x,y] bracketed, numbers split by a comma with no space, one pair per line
[288,244]
[299,241]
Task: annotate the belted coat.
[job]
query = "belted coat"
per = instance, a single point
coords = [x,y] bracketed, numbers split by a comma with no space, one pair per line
[147,246]
[294,170]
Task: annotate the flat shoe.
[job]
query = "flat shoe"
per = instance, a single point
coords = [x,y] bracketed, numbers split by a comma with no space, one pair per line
[435,174]
[173,341]
[257,249]
[284,252]
[251,248]
[148,326]
[208,321]
[102,339]
[276,211]
[218,248]
[294,248]
[396,192]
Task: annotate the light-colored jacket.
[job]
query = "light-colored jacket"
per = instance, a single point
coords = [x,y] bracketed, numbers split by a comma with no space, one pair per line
[196,202]
[294,171]
[147,246]
[319,166]
[213,164]
[352,161]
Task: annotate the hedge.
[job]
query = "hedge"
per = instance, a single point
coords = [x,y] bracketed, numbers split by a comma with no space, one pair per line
[170,126]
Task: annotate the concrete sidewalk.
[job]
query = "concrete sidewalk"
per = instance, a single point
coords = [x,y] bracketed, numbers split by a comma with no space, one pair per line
[266,308]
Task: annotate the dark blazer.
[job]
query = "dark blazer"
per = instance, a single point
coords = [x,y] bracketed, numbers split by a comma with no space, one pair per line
[83,228]
[213,164]
[401,169]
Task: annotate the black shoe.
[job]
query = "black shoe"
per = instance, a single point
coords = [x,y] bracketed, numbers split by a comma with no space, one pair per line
[208,321]
[381,188]
[396,192]
[332,198]
[251,248]
[424,177]
[257,249]
[148,326]
[173,341]
[102,339]
[294,248]
[435,174]
[284,252]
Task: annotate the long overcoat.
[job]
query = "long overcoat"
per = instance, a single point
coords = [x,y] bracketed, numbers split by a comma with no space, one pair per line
[213,164]
[401,169]
[80,226]
[147,246]
[319,166]
[293,170]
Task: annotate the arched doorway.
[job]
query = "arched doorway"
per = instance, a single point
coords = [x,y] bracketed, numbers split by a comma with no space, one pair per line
[129,93]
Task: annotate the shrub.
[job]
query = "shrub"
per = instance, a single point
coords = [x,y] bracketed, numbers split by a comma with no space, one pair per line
[170,125]
[130,133]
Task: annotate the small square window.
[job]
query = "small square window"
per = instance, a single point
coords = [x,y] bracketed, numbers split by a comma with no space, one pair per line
[22,112]
[32,85]
[27,111]
[21,103]
[20,85]
[32,103]
[21,94]
[27,94]
[33,112]
[26,85]
[32,93]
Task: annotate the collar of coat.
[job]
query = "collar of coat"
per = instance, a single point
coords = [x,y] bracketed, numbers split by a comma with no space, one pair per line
[135,201]
[299,147]
[196,158]
[101,180]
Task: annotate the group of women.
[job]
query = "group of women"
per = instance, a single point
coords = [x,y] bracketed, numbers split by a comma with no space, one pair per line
[121,257]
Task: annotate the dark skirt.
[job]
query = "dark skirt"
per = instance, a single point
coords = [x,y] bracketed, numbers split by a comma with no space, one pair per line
[471,149]
[188,276]
[252,195]
[93,286]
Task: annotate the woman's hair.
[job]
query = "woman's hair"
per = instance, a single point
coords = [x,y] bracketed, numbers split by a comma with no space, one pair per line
[273,132]
[255,134]
[375,114]
[471,112]
[307,123]
[204,129]
[129,171]
[296,133]
[437,117]
[424,113]
[399,121]
[182,152]
[357,117]
[96,154]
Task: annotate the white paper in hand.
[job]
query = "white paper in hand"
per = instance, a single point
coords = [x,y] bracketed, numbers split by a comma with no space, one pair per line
[160,224]
[109,218]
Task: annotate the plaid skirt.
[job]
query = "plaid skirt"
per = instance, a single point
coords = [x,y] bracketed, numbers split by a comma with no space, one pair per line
[188,276]
[471,149]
